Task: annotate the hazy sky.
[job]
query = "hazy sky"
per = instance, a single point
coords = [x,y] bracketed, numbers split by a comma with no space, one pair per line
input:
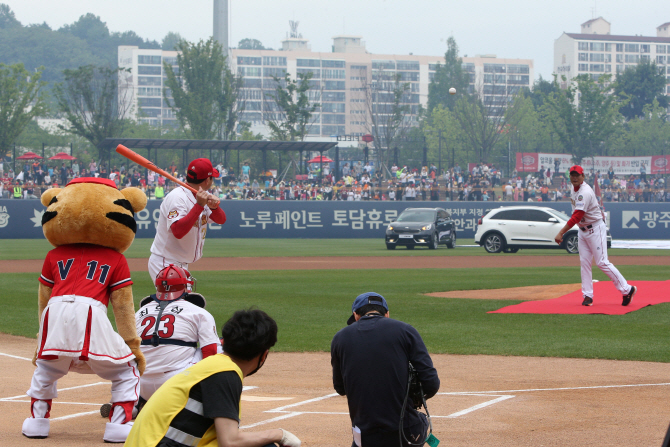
[513,28]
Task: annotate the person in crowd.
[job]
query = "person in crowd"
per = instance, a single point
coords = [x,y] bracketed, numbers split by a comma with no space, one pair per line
[202,405]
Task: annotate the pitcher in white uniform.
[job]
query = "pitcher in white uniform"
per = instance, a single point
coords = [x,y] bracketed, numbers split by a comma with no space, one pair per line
[586,213]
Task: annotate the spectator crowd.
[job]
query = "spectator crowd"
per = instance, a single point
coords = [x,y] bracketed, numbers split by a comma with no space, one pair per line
[358,182]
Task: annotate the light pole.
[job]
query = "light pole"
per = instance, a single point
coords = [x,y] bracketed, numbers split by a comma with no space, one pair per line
[439,159]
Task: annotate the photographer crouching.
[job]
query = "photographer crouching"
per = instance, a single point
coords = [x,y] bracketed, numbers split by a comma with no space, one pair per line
[370,359]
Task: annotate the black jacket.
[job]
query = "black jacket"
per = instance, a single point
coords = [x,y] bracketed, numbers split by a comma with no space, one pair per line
[370,366]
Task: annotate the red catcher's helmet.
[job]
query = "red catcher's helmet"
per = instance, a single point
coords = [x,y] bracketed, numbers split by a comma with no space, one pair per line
[171,283]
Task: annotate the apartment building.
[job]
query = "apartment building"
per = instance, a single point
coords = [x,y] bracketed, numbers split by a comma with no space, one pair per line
[349,83]
[595,51]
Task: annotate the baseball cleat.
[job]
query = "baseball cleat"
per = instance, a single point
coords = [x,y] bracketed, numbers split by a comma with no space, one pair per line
[588,301]
[629,296]
[105,409]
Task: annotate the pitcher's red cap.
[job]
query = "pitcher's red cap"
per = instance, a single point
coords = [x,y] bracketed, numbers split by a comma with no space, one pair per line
[201,169]
[578,169]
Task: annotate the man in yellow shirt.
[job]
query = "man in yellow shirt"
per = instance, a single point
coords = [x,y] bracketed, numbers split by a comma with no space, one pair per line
[201,405]
[159,192]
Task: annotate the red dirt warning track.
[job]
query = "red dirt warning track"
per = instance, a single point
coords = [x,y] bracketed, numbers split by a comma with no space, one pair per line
[363,262]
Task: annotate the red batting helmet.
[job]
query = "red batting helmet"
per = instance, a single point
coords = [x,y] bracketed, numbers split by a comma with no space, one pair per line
[171,283]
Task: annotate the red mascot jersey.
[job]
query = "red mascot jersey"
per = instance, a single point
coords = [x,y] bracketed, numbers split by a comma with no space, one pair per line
[85,270]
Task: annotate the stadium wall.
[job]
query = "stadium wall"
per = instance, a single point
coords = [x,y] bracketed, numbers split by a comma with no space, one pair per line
[21,219]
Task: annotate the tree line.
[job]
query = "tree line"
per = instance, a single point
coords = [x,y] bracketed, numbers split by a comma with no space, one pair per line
[480,123]
[626,116]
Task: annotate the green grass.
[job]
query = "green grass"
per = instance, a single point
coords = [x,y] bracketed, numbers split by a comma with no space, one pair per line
[233,248]
[311,306]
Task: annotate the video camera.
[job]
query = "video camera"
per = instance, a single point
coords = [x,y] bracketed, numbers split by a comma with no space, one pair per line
[415,390]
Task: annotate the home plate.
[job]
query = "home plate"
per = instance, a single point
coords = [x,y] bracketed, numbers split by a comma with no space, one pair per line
[263,399]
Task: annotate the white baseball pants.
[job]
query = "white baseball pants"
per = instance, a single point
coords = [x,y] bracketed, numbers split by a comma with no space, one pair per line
[125,378]
[149,383]
[593,245]
[158,263]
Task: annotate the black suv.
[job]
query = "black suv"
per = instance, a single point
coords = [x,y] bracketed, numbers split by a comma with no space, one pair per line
[421,226]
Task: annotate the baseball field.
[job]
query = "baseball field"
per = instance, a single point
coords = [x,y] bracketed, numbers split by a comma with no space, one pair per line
[507,379]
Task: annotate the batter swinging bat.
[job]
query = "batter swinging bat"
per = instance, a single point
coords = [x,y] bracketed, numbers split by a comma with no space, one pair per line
[137,158]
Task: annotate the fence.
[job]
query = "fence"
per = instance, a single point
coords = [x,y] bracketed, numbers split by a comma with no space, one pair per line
[21,219]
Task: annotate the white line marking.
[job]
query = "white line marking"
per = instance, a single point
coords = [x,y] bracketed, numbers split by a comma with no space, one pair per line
[321,412]
[59,402]
[267,421]
[477,407]
[62,389]
[247,388]
[316,399]
[16,357]
[555,389]
[76,415]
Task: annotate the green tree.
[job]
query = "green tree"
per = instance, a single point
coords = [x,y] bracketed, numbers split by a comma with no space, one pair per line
[648,134]
[87,41]
[444,138]
[449,75]
[583,127]
[387,115]
[21,99]
[170,41]
[639,86]
[230,104]
[7,18]
[251,44]
[541,89]
[484,118]
[89,100]
[204,93]
[101,41]
[295,108]
[38,46]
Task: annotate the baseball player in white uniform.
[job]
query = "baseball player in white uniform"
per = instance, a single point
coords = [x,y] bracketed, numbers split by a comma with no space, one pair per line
[175,329]
[182,225]
[586,213]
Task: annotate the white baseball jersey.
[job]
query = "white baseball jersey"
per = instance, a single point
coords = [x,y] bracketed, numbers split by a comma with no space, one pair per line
[175,206]
[181,320]
[584,199]
[593,241]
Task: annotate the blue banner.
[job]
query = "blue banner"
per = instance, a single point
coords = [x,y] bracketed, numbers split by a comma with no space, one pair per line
[21,219]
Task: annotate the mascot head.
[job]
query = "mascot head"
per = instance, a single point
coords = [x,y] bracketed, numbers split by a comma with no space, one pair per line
[91,210]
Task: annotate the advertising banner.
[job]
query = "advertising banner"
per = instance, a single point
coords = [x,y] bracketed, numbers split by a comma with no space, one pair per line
[660,164]
[21,219]
[534,161]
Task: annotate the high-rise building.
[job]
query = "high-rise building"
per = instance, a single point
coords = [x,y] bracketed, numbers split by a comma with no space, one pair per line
[143,84]
[349,83]
[595,51]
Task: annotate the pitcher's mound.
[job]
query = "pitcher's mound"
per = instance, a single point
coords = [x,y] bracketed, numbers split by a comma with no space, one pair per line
[515,293]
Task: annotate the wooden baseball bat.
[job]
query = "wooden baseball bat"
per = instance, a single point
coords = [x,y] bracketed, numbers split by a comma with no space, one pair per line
[137,158]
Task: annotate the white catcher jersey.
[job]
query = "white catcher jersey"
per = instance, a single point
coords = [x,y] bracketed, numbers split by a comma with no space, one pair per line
[584,199]
[181,320]
[188,249]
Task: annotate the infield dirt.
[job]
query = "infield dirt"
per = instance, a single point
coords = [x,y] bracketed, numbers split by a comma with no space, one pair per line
[483,400]
[531,401]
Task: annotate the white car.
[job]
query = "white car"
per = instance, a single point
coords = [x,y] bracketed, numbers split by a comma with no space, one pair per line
[511,228]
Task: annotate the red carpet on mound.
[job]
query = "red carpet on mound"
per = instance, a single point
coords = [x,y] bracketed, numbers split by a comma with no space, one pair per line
[606,300]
